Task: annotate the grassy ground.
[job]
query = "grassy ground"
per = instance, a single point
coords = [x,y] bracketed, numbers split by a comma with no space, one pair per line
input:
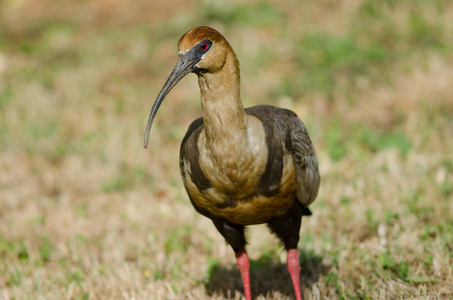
[87,213]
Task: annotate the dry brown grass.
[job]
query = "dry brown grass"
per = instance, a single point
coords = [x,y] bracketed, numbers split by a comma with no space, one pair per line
[86,213]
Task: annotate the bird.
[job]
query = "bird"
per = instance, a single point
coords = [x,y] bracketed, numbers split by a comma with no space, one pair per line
[239,166]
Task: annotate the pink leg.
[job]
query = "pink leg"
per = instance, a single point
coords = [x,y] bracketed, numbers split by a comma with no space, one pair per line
[293,266]
[243,264]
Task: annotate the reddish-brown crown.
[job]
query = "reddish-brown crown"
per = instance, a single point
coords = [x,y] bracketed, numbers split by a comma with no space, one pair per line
[193,36]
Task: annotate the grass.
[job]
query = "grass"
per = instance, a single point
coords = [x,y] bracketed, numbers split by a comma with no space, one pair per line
[86,213]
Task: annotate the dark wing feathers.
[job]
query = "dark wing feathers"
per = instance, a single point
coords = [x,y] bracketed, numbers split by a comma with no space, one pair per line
[305,161]
[275,140]
[189,153]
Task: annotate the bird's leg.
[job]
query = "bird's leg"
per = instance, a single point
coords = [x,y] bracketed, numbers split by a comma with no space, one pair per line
[293,265]
[243,264]
[234,235]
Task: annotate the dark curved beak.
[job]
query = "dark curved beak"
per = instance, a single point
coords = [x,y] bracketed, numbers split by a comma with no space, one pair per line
[185,65]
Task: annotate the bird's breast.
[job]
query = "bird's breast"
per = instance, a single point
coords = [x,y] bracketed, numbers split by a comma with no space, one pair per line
[233,161]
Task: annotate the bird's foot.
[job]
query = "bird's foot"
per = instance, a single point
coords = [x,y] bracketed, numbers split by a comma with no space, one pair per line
[243,264]
[293,266]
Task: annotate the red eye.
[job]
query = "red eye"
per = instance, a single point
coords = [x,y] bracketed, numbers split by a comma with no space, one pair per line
[204,46]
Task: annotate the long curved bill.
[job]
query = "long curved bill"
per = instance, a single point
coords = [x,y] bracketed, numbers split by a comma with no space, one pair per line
[184,66]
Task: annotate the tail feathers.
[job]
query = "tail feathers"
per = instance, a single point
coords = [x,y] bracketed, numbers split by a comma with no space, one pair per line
[306,211]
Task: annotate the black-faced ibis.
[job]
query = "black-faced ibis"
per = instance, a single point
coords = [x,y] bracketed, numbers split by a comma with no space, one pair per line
[242,166]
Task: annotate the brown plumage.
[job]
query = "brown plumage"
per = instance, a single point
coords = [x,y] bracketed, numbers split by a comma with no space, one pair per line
[241,166]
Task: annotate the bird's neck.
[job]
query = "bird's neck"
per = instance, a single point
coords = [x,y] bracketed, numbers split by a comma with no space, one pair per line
[224,117]
[232,145]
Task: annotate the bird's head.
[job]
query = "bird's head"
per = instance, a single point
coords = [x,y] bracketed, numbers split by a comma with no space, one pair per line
[201,50]
[205,47]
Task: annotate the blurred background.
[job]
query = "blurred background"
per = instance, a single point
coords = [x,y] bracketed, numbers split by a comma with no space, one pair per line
[87,213]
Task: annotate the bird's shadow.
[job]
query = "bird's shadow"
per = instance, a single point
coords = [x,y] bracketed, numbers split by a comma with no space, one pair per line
[267,276]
